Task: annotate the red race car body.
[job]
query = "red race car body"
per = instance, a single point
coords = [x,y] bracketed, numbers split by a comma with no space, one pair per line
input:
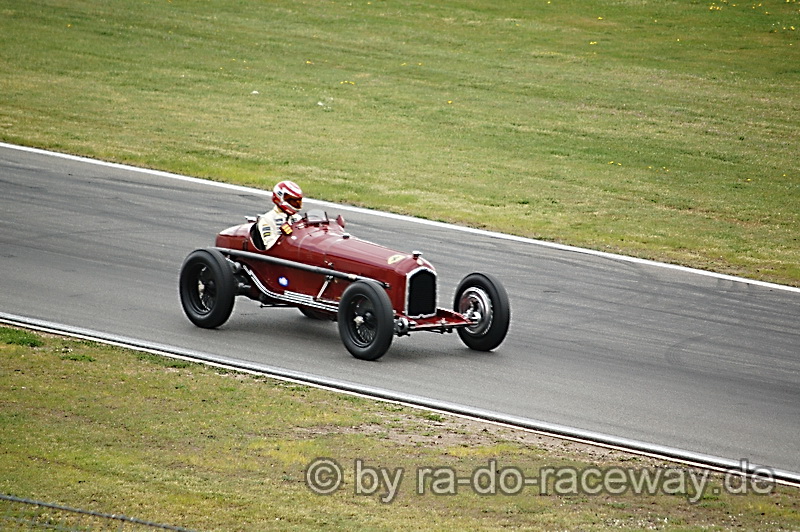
[372,291]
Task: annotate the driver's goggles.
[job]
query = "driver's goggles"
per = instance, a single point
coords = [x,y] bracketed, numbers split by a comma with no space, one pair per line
[297,203]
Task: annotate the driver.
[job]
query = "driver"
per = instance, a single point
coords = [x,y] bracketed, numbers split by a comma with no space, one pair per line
[288,199]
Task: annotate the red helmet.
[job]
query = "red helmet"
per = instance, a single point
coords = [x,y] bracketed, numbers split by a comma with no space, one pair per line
[288,197]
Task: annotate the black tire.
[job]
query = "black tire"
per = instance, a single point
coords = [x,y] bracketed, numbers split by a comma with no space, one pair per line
[366,320]
[481,294]
[207,288]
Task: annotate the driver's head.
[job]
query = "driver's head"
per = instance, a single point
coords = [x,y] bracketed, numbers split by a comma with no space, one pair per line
[288,197]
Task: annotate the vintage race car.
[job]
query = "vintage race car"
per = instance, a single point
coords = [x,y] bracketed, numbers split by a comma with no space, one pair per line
[373,292]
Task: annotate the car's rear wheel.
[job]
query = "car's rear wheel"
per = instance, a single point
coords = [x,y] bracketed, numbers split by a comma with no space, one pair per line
[481,298]
[366,320]
[207,288]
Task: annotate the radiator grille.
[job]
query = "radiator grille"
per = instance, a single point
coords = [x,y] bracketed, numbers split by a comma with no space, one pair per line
[421,296]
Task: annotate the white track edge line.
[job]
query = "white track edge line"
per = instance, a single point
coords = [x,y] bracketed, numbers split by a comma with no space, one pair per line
[405,218]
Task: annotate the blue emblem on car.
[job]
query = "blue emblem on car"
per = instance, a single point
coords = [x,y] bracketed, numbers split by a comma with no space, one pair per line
[283,281]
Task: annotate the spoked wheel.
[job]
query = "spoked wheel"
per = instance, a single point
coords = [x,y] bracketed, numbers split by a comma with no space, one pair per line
[366,320]
[482,299]
[207,288]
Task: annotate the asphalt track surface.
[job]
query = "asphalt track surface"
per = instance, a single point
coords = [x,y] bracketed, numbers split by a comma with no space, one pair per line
[623,348]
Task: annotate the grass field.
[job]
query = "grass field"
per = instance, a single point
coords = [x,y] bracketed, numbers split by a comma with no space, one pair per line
[207,449]
[661,129]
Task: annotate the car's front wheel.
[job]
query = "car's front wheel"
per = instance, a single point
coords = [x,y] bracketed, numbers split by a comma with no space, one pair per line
[482,299]
[207,288]
[366,320]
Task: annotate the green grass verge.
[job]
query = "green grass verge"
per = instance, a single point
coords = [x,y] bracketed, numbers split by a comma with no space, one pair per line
[114,431]
[660,129]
